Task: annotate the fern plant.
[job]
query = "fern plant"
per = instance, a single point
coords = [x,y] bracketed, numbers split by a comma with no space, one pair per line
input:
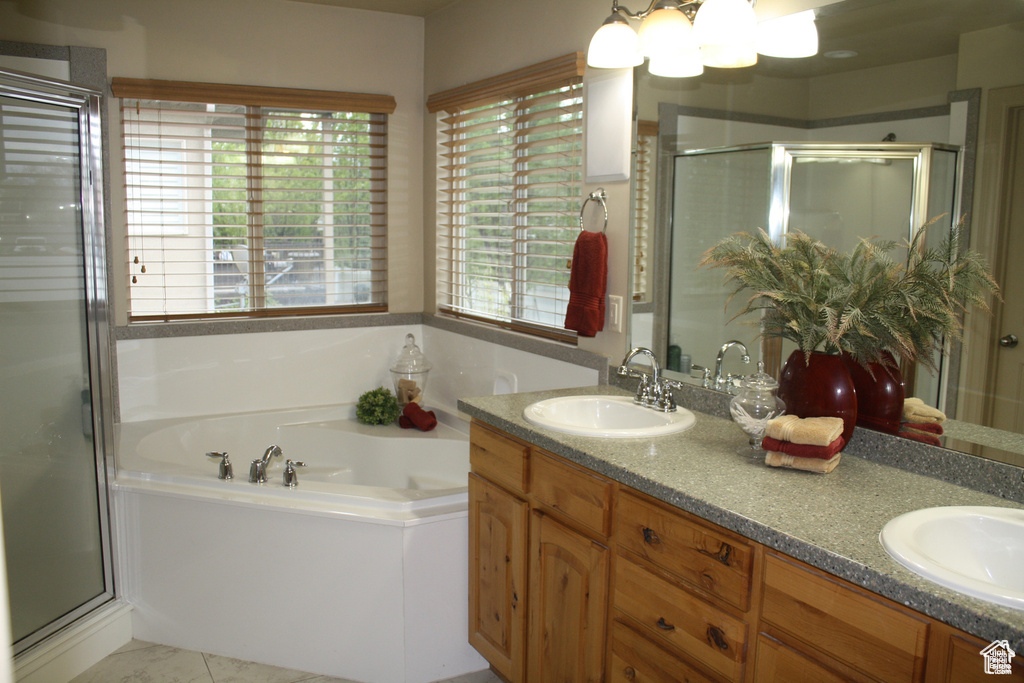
[864,302]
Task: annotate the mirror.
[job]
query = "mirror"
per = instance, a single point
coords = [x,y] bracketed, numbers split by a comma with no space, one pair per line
[922,71]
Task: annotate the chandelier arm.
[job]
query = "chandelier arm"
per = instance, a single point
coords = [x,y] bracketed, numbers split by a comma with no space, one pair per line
[687,7]
[616,7]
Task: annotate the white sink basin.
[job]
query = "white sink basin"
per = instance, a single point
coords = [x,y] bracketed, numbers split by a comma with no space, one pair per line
[974,550]
[607,416]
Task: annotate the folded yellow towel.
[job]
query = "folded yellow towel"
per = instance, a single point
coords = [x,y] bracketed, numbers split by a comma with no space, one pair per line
[810,431]
[773,459]
[915,410]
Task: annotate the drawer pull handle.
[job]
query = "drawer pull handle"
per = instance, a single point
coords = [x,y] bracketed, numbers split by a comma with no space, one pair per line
[651,538]
[630,673]
[717,638]
[665,626]
[724,551]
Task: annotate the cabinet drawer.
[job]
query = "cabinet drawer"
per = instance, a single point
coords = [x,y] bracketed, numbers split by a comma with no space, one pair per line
[860,630]
[676,617]
[711,560]
[777,662]
[637,660]
[581,495]
[498,457]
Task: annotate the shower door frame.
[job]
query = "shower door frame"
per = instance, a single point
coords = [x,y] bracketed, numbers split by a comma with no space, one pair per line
[88,104]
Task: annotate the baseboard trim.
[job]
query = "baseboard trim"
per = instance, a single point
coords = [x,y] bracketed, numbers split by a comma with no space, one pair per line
[73,650]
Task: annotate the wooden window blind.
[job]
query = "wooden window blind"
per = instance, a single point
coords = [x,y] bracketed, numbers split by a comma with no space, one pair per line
[511,180]
[249,202]
[643,189]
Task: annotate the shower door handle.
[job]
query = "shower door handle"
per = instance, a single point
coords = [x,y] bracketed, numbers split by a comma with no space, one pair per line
[1009,341]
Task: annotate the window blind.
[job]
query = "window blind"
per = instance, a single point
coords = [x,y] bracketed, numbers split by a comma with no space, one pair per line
[643,188]
[239,209]
[511,178]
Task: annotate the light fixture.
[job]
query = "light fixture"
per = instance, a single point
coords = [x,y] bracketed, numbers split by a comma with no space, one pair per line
[615,45]
[680,37]
[793,36]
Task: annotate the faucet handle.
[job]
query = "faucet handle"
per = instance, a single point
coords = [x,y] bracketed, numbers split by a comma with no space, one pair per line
[225,471]
[291,478]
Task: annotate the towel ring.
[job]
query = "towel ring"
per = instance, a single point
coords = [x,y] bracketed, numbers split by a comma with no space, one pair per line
[600,196]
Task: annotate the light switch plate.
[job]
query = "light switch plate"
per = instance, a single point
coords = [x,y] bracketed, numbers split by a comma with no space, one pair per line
[613,323]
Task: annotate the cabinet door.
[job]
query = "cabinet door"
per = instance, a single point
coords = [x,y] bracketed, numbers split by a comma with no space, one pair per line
[955,657]
[568,604]
[497,576]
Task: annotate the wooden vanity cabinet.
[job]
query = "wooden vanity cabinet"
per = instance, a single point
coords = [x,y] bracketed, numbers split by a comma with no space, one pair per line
[539,561]
[498,527]
[574,577]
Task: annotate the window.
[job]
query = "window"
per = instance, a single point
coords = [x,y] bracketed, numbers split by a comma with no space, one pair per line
[245,201]
[511,178]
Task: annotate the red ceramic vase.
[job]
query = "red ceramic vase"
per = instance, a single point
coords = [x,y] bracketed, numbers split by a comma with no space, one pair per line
[820,388]
[879,398]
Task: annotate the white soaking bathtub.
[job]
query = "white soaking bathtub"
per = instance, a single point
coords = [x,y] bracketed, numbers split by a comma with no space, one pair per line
[358,572]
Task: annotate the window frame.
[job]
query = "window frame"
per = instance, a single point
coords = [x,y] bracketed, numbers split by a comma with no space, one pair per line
[508,90]
[258,101]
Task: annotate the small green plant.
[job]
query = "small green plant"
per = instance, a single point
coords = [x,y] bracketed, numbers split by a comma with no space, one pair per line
[863,302]
[377,407]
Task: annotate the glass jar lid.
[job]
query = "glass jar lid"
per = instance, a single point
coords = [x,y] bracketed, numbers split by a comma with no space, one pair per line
[760,380]
[410,358]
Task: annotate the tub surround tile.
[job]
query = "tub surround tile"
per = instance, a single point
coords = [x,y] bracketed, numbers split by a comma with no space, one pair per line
[830,521]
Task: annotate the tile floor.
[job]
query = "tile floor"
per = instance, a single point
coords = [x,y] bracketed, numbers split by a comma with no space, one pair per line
[142,662]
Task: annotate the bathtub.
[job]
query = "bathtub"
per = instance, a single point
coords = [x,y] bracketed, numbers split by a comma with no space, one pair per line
[359,572]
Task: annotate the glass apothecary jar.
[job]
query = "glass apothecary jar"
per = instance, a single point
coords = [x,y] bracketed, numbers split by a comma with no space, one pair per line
[754,406]
[409,373]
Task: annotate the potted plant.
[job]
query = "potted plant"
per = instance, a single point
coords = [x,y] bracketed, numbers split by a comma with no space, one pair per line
[864,304]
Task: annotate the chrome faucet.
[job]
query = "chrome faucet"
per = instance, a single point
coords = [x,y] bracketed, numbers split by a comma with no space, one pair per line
[258,468]
[654,391]
[722,383]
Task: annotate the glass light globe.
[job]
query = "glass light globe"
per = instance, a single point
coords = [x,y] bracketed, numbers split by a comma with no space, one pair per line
[792,36]
[726,31]
[676,64]
[663,30]
[614,46]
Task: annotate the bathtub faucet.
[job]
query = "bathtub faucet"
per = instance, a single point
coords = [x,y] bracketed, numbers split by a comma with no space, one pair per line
[258,468]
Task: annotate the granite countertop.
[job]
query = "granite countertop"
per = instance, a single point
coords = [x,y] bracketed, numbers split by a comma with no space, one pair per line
[830,521]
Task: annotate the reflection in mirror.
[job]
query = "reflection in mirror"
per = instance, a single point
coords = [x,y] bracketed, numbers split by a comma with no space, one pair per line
[952,81]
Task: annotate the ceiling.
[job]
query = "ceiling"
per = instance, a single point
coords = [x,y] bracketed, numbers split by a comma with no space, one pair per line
[880,31]
[415,8]
[894,31]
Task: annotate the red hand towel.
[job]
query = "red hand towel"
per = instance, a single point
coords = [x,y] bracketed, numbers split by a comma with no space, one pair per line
[587,284]
[802,450]
[923,437]
[414,416]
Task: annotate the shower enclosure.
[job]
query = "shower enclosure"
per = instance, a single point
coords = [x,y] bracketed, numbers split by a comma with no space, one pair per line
[835,192]
[53,356]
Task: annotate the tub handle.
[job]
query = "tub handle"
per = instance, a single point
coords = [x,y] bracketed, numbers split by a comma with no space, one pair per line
[291,478]
[225,471]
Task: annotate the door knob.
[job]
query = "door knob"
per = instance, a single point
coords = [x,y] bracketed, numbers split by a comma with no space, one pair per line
[1009,341]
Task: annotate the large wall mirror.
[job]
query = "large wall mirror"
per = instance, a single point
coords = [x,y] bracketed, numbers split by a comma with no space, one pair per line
[891,76]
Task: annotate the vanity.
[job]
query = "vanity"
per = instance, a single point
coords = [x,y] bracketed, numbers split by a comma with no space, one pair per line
[677,559]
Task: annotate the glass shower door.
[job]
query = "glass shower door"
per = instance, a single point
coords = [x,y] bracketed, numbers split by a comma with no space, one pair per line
[52,486]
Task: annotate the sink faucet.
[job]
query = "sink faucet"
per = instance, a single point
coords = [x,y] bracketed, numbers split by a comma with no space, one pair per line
[258,468]
[654,391]
[722,383]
